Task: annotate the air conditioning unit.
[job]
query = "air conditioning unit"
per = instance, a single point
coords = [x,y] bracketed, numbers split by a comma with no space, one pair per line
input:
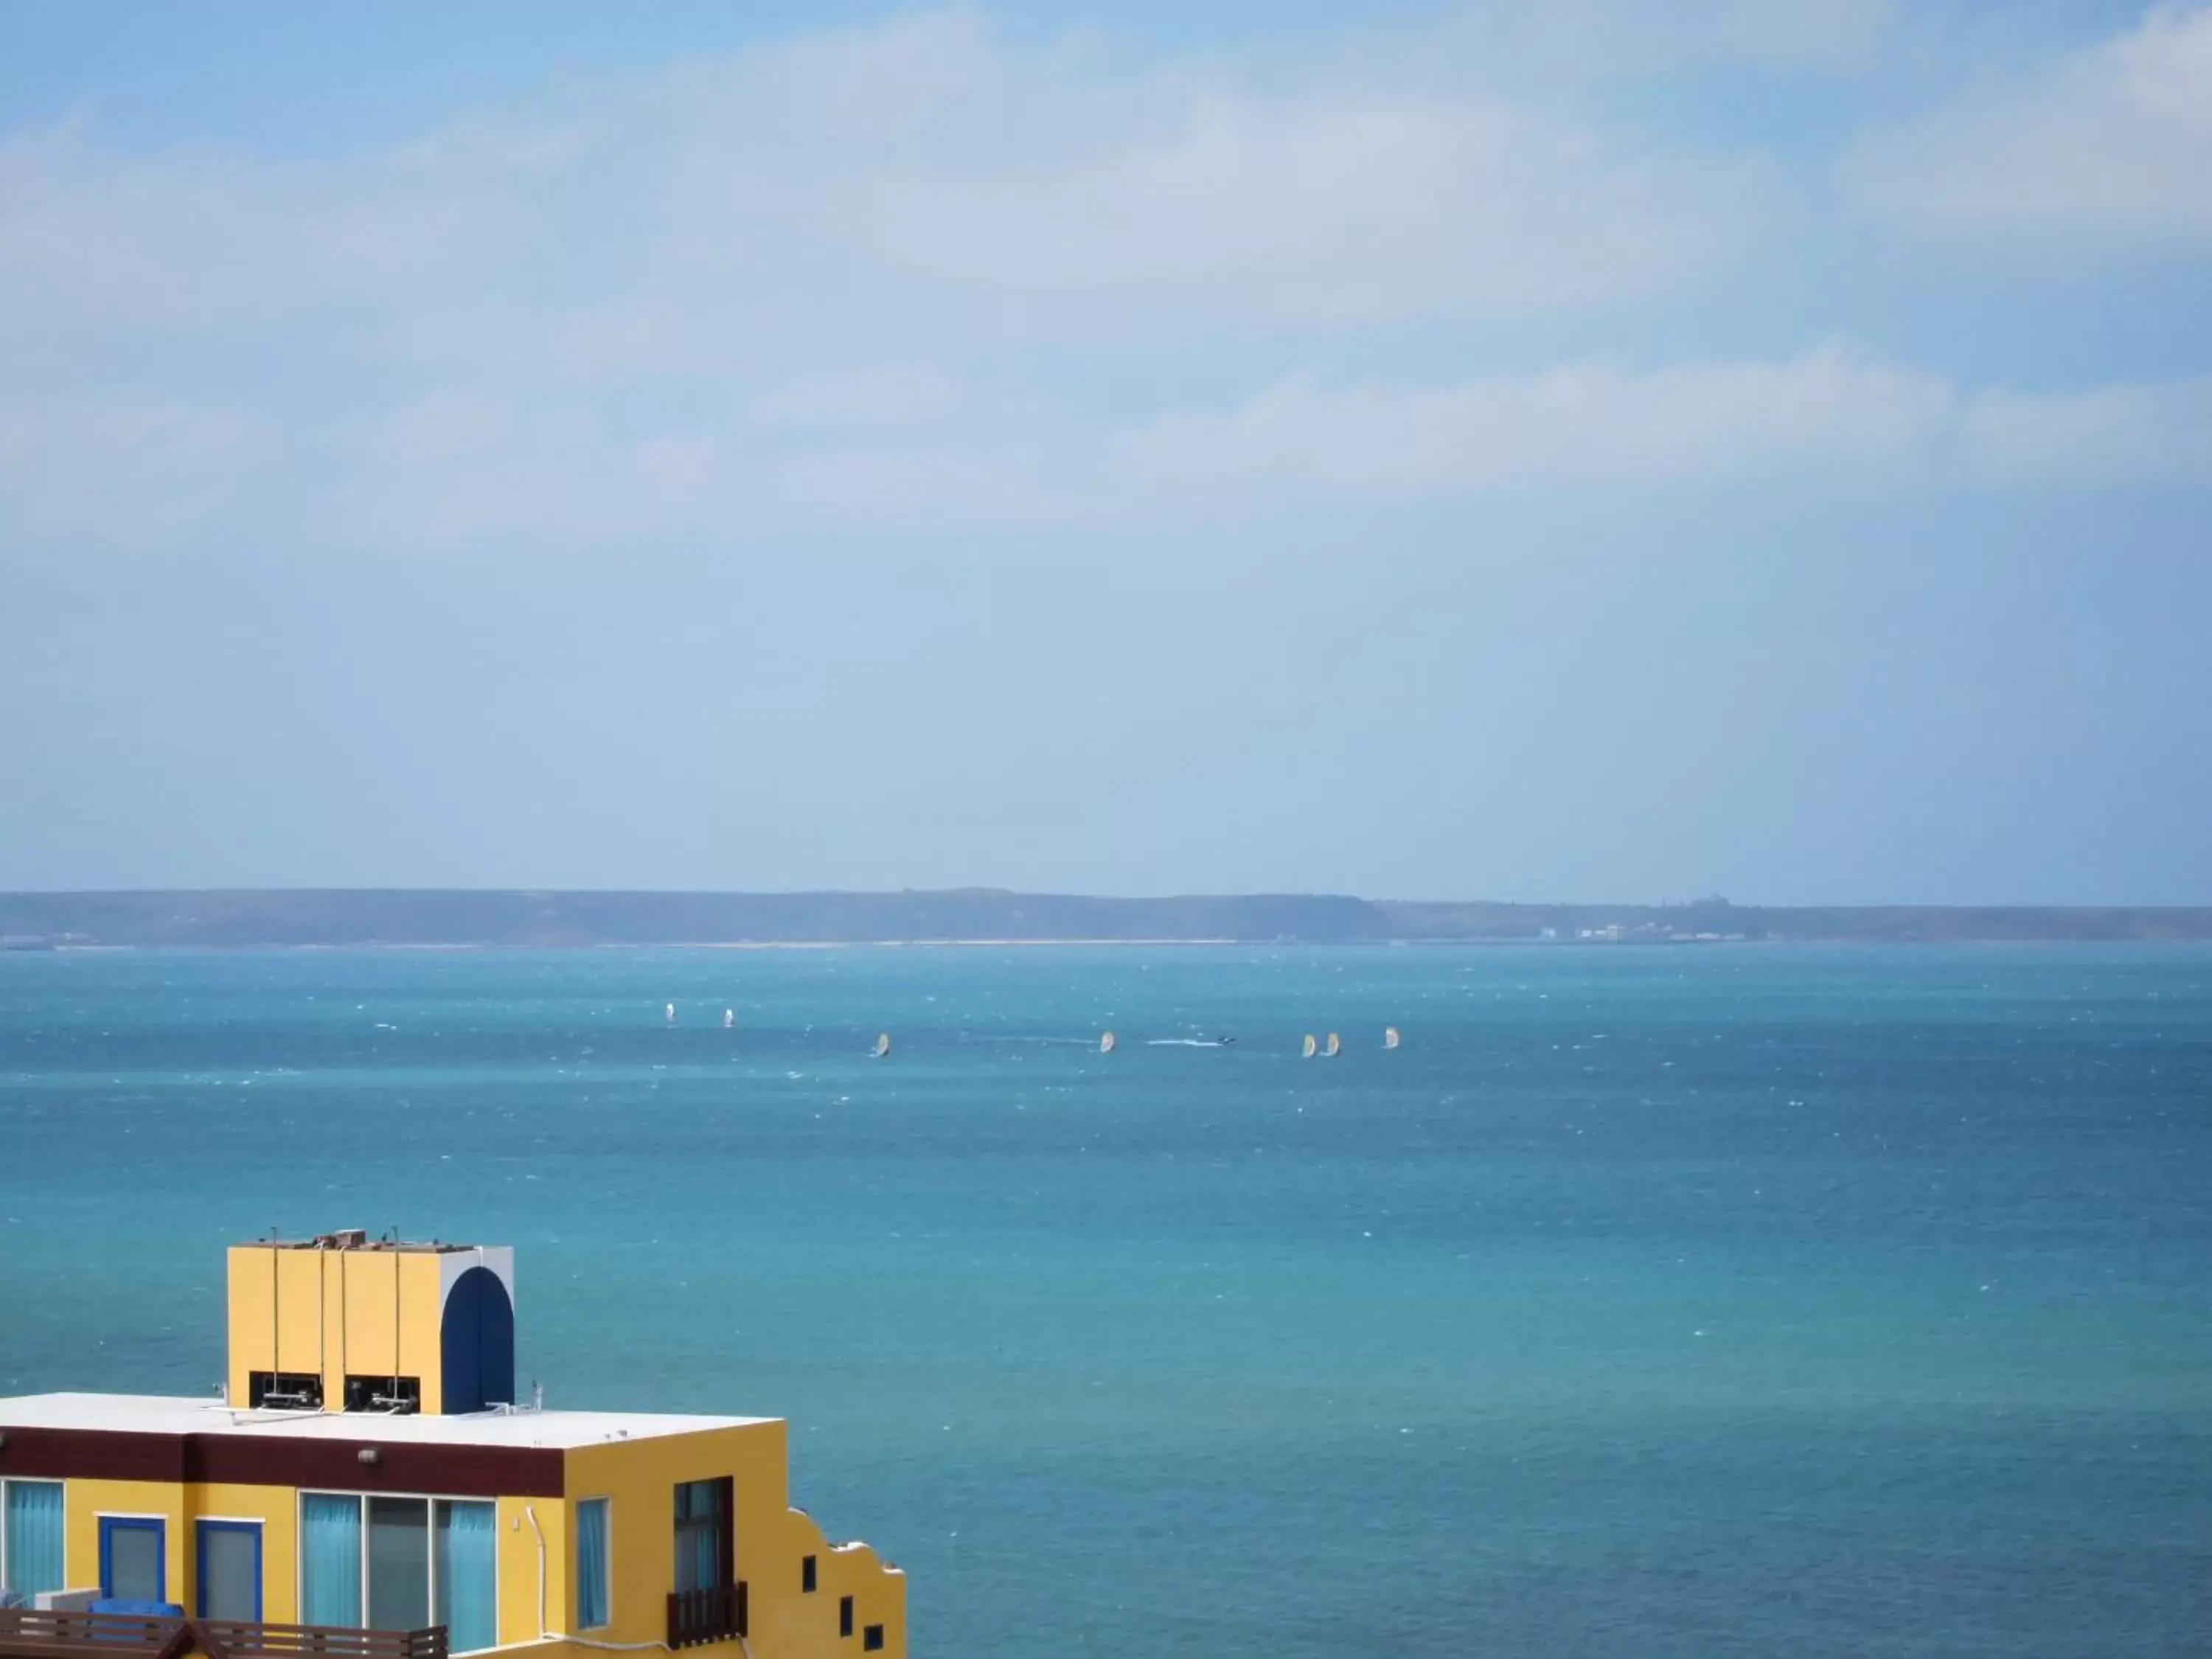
[69,1601]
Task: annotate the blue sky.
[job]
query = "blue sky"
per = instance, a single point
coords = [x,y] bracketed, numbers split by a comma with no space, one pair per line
[1583,450]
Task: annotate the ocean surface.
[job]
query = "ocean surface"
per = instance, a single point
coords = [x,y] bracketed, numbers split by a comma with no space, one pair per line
[1646,1302]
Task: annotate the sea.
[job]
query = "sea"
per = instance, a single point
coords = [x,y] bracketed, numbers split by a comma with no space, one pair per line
[1643,1302]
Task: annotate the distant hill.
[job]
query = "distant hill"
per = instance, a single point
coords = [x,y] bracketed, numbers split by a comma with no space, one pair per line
[304,917]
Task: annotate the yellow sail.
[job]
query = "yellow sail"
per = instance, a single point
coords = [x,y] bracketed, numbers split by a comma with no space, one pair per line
[1306,1052]
[1389,1036]
[1106,1043]
[1335,1046]
[883,1043]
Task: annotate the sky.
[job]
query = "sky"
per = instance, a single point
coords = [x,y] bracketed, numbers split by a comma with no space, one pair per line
[1547,450]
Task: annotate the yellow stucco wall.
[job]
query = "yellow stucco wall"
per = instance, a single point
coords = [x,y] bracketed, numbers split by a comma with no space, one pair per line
[522,1521]
[335,1313]
[83,1502]
[638,1477]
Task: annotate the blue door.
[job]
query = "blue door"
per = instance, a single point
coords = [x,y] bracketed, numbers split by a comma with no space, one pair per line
[229,1570]
[133,1565]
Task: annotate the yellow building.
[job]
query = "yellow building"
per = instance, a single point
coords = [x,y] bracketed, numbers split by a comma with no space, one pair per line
[369,1470]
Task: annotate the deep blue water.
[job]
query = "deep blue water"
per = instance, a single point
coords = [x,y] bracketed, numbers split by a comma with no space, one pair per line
[1645,1302]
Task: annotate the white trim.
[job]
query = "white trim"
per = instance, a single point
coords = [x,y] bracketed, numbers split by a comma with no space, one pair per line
[574,1532]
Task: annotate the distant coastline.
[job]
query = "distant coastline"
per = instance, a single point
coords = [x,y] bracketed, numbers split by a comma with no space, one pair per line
[494,919]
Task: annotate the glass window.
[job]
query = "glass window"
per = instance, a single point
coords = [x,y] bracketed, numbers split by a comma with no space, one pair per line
[703,1520]
[330,1559]
[398,1564]
[31,1525]
[132,1567]
[591,1575]
[467,1574]
[230,1570]
[406,1563]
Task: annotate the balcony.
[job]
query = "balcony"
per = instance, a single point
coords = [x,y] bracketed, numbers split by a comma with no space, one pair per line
[700,1616]
[26,1634]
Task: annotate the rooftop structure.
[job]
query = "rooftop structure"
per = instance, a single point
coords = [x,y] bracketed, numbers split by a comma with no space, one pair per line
[369,1488]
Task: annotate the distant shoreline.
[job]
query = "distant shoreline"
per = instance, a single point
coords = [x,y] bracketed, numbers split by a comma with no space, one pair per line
[399,919]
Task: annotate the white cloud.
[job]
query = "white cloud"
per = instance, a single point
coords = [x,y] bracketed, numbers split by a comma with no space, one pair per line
[912,275]
[1689,423]
[2112,142]
[449,473]
[132,468]
[2125,434]
[703,214]
[1331,206]
[871,396]
[1586,40]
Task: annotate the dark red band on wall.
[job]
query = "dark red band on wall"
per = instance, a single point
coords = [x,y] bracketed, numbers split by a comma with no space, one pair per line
[255,1459]
[92,1454]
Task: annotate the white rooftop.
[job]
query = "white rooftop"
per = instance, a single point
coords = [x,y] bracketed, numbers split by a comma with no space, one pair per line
[154,1413]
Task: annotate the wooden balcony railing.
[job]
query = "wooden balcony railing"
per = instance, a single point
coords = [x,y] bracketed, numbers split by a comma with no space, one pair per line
[27,1633]
[713,1614]
[221,1638]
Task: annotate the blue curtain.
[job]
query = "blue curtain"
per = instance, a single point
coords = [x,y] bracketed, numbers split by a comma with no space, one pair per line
[468,1576]
[34,1537]
[592,1564]
[330,1560]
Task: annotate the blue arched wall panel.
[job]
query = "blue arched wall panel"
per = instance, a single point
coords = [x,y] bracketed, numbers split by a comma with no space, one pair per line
[477,1343]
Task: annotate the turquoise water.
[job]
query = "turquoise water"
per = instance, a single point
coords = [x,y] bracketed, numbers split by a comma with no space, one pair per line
[1677,1303]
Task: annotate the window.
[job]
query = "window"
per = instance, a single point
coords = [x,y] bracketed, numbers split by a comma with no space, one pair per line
[398,1564]
[465,1571]
[330,1559]
[844,1615]
[409,1562]
[807,1574]
[592,1578]
[703,1559]
[134,1557]
[229,1574]
[872,1637]
[30,1536]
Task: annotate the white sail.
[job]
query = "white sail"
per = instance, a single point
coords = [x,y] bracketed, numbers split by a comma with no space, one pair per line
[1306,1049]
[671,1013]
[883,1043]
[1106,1043]
[1335,1046]
[1389,1036]
[729,1019]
